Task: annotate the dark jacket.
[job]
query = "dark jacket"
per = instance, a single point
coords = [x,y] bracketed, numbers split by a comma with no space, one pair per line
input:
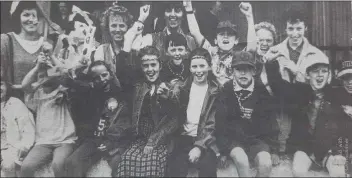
[232,129]
[206,128]
[298,98]
[163,113]
[170,71]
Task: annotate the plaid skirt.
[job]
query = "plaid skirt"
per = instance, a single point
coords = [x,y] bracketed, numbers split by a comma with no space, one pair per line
[134,163]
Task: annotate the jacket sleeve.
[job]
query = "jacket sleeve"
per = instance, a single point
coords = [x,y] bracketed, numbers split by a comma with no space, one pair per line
[207,137]
[167,125]
[26,126]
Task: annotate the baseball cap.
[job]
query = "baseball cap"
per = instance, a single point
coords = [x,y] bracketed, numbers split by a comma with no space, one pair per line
[345,66]
[226,25]
[243,58]
[314,59]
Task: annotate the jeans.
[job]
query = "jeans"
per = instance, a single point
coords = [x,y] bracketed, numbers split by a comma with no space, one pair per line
[178,163]
[42,154]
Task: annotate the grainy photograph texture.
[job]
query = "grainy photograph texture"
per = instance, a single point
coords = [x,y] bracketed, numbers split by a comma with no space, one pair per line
[176,88]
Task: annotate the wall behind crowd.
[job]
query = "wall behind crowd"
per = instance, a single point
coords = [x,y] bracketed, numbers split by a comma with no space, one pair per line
[329,28]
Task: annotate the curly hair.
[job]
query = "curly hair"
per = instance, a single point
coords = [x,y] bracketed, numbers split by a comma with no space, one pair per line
[267,26]
[150,50]
[115,10]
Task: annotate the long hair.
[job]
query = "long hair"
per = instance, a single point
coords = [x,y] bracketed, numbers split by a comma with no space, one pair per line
[16,16]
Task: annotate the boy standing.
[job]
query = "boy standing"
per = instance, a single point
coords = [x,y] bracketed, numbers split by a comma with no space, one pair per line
[226,40]
[245,130]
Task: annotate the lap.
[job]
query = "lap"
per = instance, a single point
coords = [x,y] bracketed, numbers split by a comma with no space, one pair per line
[252,148]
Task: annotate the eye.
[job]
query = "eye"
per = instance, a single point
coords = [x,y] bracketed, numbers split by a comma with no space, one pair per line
[168,10]
[299,28]
[178,10]
[144,65]
[104,74]
[202,66]
[153,65]
[173,50]
[194,66]
[180,50]
[113,25]
[290,28]
[122,25]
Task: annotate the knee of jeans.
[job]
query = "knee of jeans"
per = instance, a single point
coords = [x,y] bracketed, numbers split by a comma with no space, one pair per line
[300,166]
[8,165]
[239,156]
[263,159]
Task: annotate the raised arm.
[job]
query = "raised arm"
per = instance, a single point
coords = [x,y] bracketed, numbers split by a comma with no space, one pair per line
[31,76]
[246,9]
[192,22]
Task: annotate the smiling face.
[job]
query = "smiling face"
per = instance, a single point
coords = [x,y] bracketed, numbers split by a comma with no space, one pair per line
[347,82]
[265,41]
[29,20]
[101,77]
[117,27]
[151,67]
[295,32]
[177,53]
[200,70]
[243,74]
[318,76]
[226,40]
[173,17]
[3,91]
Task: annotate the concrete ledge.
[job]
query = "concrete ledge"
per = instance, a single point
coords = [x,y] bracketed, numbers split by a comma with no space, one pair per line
[102,169]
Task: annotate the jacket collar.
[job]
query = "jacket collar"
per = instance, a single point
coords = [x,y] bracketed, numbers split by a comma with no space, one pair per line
[212,85]
[306,48]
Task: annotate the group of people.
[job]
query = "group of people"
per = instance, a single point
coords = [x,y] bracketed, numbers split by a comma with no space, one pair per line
[154,104]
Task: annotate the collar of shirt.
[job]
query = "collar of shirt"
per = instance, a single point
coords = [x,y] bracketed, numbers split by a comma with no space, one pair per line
[237,87]
[167,31]
[298,49]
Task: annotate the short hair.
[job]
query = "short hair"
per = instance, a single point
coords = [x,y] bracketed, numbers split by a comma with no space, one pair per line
[267,26]
[172,4]
[116,11]
[16,16]
[98,63]
[175,39]
[150,50]
[201,52]
[295,14]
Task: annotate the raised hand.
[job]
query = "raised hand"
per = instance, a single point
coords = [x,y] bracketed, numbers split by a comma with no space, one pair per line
[112,104]
[188,5]
[163,90]
[144,12]
[246,9]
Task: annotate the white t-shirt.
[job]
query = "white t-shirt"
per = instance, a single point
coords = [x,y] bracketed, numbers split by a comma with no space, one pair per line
[54,123]
[195,104]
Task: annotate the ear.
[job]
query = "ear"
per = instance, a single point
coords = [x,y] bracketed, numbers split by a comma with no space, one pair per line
[306,29]
[215,41]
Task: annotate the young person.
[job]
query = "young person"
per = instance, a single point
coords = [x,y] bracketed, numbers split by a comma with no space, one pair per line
[17,130]
[245,128]
[226,40]
[103,101]
[194,140]
[177,67]
[55,129]
[152,121]
[174,15]
[295,48]
[315,122]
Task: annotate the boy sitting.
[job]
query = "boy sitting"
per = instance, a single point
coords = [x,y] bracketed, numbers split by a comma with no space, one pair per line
[244,129]
[315,122]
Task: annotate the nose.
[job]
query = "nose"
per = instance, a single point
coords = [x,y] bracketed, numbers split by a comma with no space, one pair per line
[173,13]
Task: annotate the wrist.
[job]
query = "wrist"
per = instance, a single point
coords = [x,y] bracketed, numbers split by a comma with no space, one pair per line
[189,11]
[141,20]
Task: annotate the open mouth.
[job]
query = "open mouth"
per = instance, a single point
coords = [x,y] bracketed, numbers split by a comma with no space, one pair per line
[199,76]
[243,79]
[319,81]
[264,48]
[225,42]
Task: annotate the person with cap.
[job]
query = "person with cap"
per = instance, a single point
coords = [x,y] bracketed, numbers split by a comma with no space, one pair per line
[315,121]
[342,99]
[226,40]
[245,130]
[55,130]
[174,14]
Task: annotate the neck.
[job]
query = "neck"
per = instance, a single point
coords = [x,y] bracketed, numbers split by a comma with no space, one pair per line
[116,46]
[201,84]
[174,30]
[29,36]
